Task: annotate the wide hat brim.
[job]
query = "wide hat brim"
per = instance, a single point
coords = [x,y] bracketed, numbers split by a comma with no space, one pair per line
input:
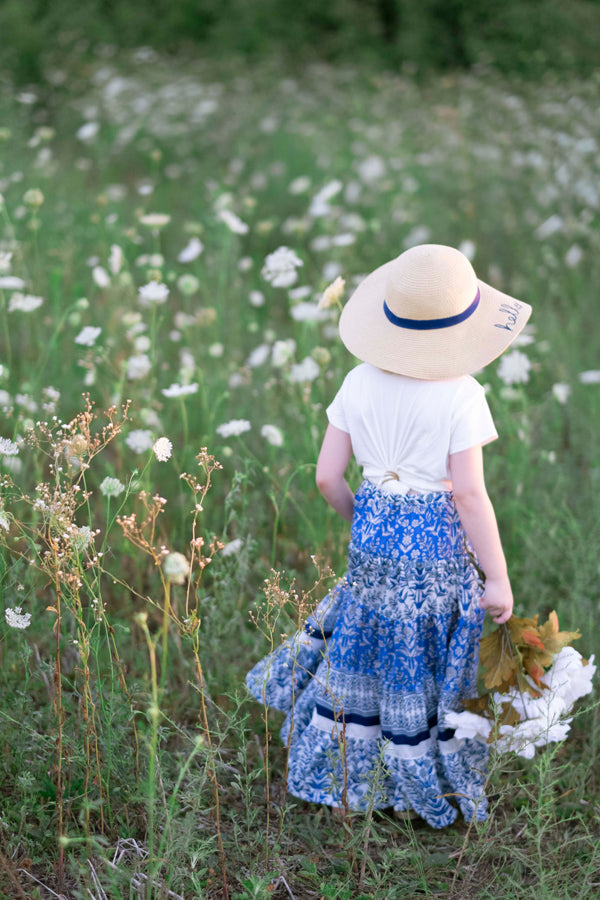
[440,353]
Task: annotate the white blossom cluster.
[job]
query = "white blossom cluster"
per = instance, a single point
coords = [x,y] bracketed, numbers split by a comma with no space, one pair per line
[544,719]
[280,267]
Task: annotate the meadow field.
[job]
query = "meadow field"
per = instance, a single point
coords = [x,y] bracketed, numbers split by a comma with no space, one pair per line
[164,373]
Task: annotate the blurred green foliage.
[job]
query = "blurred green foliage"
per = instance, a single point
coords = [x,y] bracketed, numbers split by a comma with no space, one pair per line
[526,37]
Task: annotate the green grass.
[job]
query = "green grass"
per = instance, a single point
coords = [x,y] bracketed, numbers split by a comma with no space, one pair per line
[124,717]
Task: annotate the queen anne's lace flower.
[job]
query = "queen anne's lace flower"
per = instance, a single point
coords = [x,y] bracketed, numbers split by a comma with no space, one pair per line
[191,251]
[162,449]
[280,267]
[514,368]
[11,283]
[16,618]
[139,440]
[153,292]
[24,303]
[307,370]
[88,335]
[8,447]
[233,222]
[180,390]
[544,719]
[282,352]
[234,428]
[111,487]
[272,434]
[233,547]
[138,366]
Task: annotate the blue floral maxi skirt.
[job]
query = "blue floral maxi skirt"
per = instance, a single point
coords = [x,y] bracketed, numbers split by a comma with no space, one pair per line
[366,684]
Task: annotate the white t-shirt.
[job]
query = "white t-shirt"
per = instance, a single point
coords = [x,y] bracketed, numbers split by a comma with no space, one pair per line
[404,429]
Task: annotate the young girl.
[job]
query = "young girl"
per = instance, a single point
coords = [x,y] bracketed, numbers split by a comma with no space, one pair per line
[368,682]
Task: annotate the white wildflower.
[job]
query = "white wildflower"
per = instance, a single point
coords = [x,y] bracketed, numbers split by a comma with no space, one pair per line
[8,447]
[111,487]
[188,284]
[372,168]
[272,434]
[216,350]
[300,293]
[88,335]
[307,370]
[234,428]
[233,547]
[299,185]
[88,132]
[321,242]
[259,356]
[191,251]
[139,440]
[26,402]
[280,267]
[573,256]
[332,294]
[5,260]
[468,725]
[468,249]
[24,302]
[33,198]
[138,366]
[549,227]
[100,276]
[343,240]
[180,390]
[308,312]
[4,520]
[514,368]
[16,618]
[115,260]
[282,352]
[257,298]
[155,220]
[561,392]
[81,538]
[142,343]
[163,448]
[11,283]
[233,222]
[591,376]
[176,568]
[153,292]
[320,205]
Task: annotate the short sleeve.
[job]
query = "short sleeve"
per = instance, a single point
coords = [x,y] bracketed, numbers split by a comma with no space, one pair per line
[472,423]
[336,412]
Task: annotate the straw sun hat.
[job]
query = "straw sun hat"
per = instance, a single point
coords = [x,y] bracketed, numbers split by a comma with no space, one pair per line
[425,314]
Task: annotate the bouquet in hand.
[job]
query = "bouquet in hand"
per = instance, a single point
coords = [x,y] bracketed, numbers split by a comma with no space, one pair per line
[532,676]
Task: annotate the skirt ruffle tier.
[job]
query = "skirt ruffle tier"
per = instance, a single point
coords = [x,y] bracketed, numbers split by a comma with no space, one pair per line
[367,682]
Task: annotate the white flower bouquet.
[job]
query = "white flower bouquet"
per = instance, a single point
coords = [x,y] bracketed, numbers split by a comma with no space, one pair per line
[533,678]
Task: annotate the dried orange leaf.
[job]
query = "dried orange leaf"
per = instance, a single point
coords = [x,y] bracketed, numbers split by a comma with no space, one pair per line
[498,661]
[554,640]
[477,704]
[532,639]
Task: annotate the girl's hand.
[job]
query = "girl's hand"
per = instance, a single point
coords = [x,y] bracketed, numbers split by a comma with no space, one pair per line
[497,599]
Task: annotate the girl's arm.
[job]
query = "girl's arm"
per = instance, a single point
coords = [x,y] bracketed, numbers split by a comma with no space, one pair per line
[479,521]
[336,451]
